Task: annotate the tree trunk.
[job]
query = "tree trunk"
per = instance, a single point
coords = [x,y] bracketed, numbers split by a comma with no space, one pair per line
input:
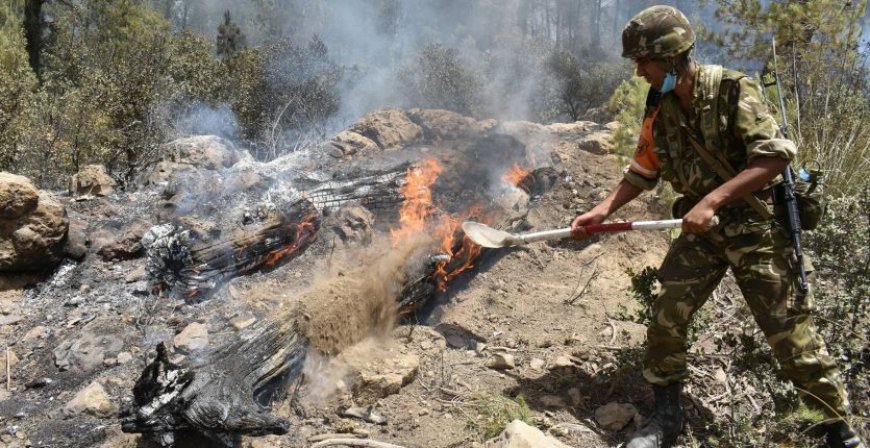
[33,34]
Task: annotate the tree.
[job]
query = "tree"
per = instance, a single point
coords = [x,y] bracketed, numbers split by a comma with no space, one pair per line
[437,79]
[824,75]
[230,39]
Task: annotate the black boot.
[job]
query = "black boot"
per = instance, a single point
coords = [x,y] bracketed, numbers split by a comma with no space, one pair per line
[665,423]
[841,435]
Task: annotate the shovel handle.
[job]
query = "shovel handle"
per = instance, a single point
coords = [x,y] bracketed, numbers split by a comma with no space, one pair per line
[558,234]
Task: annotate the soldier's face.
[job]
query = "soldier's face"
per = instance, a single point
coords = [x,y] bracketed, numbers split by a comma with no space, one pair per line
[651,70]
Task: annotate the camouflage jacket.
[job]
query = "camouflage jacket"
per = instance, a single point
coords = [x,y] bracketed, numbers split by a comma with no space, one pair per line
[746,130]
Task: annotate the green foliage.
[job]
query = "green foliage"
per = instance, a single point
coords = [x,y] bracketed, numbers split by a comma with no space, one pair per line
[230,39]
[18,92]
[496,411]
[841,250]
[578,87]
[824,76]
[627,103]
[437,78]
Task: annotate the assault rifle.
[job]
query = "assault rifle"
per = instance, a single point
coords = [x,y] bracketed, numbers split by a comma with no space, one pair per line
[786,193]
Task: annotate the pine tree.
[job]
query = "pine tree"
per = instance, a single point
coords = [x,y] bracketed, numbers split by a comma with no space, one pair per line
[230,39]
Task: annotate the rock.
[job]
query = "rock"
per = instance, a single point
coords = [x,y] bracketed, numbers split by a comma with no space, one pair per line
[18,196]
[597,143]
[720,376]
[242,322]
[537,364]
[124,357]
[350,143]
[552,401]
[389,128]
[33,241]
[615,416]
[91,400]
[500,361]
[37,332]
[563,361]
[77,239]
[207,152]
[194,337]
[352,224]
[92,180]
[518,434]
[439,124]
[87,352]
[386,376]
[121,245]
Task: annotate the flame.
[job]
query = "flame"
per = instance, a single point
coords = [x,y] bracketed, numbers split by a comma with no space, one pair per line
[305,231]
[417,206]
[418,214]
[464,255]
[515,175]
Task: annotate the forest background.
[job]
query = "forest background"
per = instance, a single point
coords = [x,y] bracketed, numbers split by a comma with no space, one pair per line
[108,81]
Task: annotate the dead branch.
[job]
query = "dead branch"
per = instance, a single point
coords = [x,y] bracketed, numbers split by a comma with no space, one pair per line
[355,442]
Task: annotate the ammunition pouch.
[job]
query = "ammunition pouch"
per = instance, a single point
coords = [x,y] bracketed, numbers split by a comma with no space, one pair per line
[809,196]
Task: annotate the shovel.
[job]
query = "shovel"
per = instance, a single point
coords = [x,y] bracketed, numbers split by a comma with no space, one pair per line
[486,236]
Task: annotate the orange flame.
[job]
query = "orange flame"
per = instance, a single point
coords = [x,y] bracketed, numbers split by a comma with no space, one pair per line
[417,206]
[461,260]
[304,231]
[515,175]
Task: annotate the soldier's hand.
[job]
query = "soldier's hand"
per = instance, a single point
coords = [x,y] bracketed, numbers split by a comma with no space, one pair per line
[577,230]
[699,219]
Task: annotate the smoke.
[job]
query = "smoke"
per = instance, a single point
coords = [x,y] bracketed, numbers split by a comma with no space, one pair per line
[202,119]
[501,43]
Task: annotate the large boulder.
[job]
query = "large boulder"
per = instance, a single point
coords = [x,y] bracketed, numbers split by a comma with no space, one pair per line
[388,128]
[350,143]
[17,196]
[441,124]
[32,232]
[92,180]
[205,152]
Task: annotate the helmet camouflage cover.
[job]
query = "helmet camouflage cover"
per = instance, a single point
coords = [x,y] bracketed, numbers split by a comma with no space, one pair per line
[657,32]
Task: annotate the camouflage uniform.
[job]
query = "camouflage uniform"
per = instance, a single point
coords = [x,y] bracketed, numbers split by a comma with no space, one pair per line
[758,250]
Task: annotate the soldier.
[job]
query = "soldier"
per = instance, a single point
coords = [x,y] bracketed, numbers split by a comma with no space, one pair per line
[690,108]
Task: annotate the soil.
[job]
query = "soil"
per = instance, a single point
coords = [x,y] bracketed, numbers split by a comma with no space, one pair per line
[546,301]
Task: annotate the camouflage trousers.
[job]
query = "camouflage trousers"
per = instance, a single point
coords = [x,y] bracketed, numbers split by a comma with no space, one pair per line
[761,258]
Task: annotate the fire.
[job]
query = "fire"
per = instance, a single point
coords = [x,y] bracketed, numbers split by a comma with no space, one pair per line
[417,207]
[305,231]
[459,261]
[419,214]
[515,175]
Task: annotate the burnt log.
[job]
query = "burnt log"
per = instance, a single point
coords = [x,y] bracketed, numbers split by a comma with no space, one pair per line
[192,255]
[225,398]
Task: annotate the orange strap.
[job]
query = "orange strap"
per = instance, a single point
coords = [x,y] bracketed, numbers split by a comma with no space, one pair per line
[645,161]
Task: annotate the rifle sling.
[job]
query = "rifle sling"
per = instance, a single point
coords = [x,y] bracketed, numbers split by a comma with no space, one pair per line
[726,173]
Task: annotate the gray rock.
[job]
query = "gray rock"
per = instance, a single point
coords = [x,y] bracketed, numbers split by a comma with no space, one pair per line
[501,361]
[33,241]
[87,352]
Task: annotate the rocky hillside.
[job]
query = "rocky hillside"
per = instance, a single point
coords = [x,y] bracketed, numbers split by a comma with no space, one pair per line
[530,333]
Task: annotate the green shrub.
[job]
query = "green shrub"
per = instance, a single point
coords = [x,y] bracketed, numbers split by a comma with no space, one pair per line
[627,103]
[496,411]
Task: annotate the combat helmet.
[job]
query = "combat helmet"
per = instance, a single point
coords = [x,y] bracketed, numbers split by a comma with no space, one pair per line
[657,32]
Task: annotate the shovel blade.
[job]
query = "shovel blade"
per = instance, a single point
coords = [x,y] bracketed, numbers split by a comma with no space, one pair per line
[486,236]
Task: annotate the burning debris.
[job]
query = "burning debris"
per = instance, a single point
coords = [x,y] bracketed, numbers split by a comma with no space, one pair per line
[218,215]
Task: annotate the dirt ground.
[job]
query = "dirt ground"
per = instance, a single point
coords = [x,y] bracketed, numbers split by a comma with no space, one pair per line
[554,307]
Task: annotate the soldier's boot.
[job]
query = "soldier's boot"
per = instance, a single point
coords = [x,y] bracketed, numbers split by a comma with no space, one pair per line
[841,435]
[665,423]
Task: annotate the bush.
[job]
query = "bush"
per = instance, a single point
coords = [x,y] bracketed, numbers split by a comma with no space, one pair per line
[436,78]
[578,88]
[628,103]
